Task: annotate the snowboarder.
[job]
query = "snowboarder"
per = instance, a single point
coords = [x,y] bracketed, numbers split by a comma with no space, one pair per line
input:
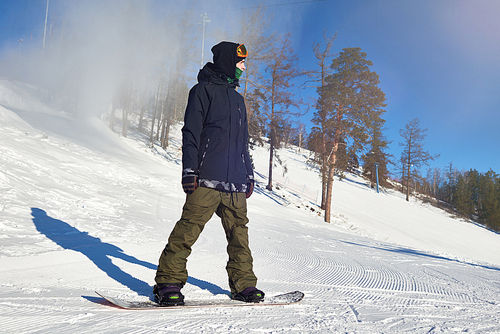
[217,178]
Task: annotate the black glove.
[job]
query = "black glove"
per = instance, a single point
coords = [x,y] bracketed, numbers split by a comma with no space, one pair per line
[189,182]
[250,185]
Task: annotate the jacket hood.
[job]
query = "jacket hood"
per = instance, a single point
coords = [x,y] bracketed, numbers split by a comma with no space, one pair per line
[225,58]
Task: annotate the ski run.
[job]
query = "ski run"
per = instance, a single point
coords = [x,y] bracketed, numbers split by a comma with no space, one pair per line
[83,209]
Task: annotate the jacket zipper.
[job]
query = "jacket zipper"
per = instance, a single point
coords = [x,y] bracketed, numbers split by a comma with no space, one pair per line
[229,139]
[204,152]
[239,114]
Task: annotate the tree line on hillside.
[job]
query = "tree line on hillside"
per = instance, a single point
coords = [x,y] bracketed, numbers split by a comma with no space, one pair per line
[346,108]
[468,193]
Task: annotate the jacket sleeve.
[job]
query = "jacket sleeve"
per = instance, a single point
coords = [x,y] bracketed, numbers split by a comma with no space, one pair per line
[193,125]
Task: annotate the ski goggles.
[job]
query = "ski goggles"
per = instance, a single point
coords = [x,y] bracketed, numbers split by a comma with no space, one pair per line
[242,51]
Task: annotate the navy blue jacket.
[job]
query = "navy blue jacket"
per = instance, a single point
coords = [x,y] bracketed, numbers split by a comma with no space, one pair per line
[215,132]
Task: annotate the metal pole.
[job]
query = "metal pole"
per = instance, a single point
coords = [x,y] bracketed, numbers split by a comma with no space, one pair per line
[45,28]
[205,20]
[376,173]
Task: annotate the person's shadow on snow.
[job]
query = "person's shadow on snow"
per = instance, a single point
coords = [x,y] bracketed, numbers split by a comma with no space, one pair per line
[100,253]
[97,251]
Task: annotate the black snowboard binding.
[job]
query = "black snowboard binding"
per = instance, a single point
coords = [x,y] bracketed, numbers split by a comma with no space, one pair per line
[168,294]
[250,295]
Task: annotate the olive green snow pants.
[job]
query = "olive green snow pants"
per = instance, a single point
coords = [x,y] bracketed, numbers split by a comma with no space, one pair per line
[197,211]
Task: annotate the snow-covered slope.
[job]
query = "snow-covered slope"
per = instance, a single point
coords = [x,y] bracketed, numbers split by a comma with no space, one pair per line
[83,209]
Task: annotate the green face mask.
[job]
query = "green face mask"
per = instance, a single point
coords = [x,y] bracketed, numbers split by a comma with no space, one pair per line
[238,73]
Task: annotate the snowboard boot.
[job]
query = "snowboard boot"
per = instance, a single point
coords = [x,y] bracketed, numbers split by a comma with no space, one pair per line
[250,295]
[168,294]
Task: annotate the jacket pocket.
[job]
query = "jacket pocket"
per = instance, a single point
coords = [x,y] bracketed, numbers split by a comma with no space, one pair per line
[214,155]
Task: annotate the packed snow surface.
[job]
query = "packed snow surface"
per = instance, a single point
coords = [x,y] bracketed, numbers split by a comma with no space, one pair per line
[83,209]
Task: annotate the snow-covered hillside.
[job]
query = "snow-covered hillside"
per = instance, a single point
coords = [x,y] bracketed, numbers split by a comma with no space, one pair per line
[83,209]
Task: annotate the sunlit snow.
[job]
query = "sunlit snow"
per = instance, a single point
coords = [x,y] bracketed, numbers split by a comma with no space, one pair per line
[83,209]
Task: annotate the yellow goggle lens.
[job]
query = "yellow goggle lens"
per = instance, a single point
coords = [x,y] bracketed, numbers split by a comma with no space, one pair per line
[242,51]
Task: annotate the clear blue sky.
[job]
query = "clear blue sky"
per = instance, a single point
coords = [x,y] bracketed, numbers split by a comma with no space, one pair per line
[438,60]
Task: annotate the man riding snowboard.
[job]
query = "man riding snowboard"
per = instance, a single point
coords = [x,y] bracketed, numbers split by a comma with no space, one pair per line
[217,178]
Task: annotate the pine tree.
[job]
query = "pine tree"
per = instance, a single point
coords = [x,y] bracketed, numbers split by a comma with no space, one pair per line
[351,100]
[473,181]
[490,211]
[451,175]
[377,158]
[462,198]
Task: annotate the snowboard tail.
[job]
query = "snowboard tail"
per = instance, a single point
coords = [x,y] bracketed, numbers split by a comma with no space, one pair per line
[283,299]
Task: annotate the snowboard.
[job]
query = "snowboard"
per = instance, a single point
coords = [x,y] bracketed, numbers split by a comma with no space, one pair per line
[283,299]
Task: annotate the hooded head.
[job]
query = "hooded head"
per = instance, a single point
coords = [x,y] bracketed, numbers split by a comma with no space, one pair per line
[226,55]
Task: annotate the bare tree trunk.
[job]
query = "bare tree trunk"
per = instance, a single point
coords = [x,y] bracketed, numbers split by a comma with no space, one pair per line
[408,184]
[271,155]
[161,115]
[403,179]
[329,187]
[125,122]
[112,117]
[324,171]
[271,147]
[165,133]
[140,126]
[155,113]
[329,192]
[323,191]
